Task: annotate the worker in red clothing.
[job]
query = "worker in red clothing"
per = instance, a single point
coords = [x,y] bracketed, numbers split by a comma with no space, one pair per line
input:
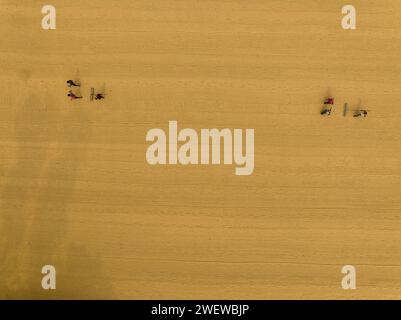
[329,101]
[73,96]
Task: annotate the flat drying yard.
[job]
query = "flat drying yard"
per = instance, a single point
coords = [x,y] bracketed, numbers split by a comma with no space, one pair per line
[77,193]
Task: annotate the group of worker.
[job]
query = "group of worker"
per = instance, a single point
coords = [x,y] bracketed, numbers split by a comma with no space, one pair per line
[73,96]
[329,106]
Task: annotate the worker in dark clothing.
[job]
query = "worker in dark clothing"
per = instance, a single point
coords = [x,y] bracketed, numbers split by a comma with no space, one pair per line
[361,113]
[71,83]
[99,96]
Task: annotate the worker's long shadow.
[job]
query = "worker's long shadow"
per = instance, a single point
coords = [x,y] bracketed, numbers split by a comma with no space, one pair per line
[77,78]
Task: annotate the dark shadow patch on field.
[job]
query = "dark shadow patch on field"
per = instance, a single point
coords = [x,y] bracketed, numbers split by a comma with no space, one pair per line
[51,149]
[88,279]
[16,196]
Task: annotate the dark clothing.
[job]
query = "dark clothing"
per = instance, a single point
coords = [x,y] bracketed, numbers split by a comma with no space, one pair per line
[362,113]
[326,112]
[71,83]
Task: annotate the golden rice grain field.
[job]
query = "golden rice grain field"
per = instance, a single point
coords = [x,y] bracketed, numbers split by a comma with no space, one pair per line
[76,191]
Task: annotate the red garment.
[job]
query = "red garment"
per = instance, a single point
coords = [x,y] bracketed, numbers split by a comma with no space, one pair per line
[72,96]
[329,101]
